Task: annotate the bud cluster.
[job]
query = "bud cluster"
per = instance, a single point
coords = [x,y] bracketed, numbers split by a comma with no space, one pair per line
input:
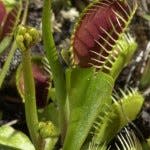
[47,129]
[26,37]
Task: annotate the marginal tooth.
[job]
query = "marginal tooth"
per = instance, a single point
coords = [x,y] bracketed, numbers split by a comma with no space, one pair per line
[128,39]
[106,67]
[118,22]
[132,90]
[108,34]
[98,61]
[110,61]
[97,124]
[135,5]
[120,47]
[106,113]
[95,66]
[98,54]
[125,141]
[130,140]
[123,9]
[123,94]
[108,52]
[107,106]
[91,132]
[100,118]
[129,7]
[115,95]
[114,29]
[106,41]
[107,1]
[48,71]
[95,127]
[105,4]
[120,140]
[99,6]
[91,9]
[114,100]
[118,148]
[114,57]
[119,16]
[128,91]
[115,52]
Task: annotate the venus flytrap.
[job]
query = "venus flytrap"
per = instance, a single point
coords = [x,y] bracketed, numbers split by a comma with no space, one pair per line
[104,49]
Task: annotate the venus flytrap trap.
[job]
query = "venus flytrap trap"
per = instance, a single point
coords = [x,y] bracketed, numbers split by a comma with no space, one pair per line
[10,13]
[119,114]
[10,18]
[128,141]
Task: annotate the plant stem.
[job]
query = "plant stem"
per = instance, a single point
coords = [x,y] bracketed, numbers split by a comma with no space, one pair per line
[57,69]
[25,14]
[30,100]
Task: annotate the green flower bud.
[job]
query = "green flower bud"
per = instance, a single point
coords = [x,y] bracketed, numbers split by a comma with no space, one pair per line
[19,42]
[26,37]
[47,129]
[35,34]
[27,40]
[21,30]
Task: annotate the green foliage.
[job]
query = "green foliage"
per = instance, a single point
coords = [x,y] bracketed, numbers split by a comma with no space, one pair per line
[87,96]
[12,139]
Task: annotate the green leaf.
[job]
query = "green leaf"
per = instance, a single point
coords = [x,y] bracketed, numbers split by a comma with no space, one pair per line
[146,16]
[3,147]
[5,43]
[50,113]
[9,137]
[88,93]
